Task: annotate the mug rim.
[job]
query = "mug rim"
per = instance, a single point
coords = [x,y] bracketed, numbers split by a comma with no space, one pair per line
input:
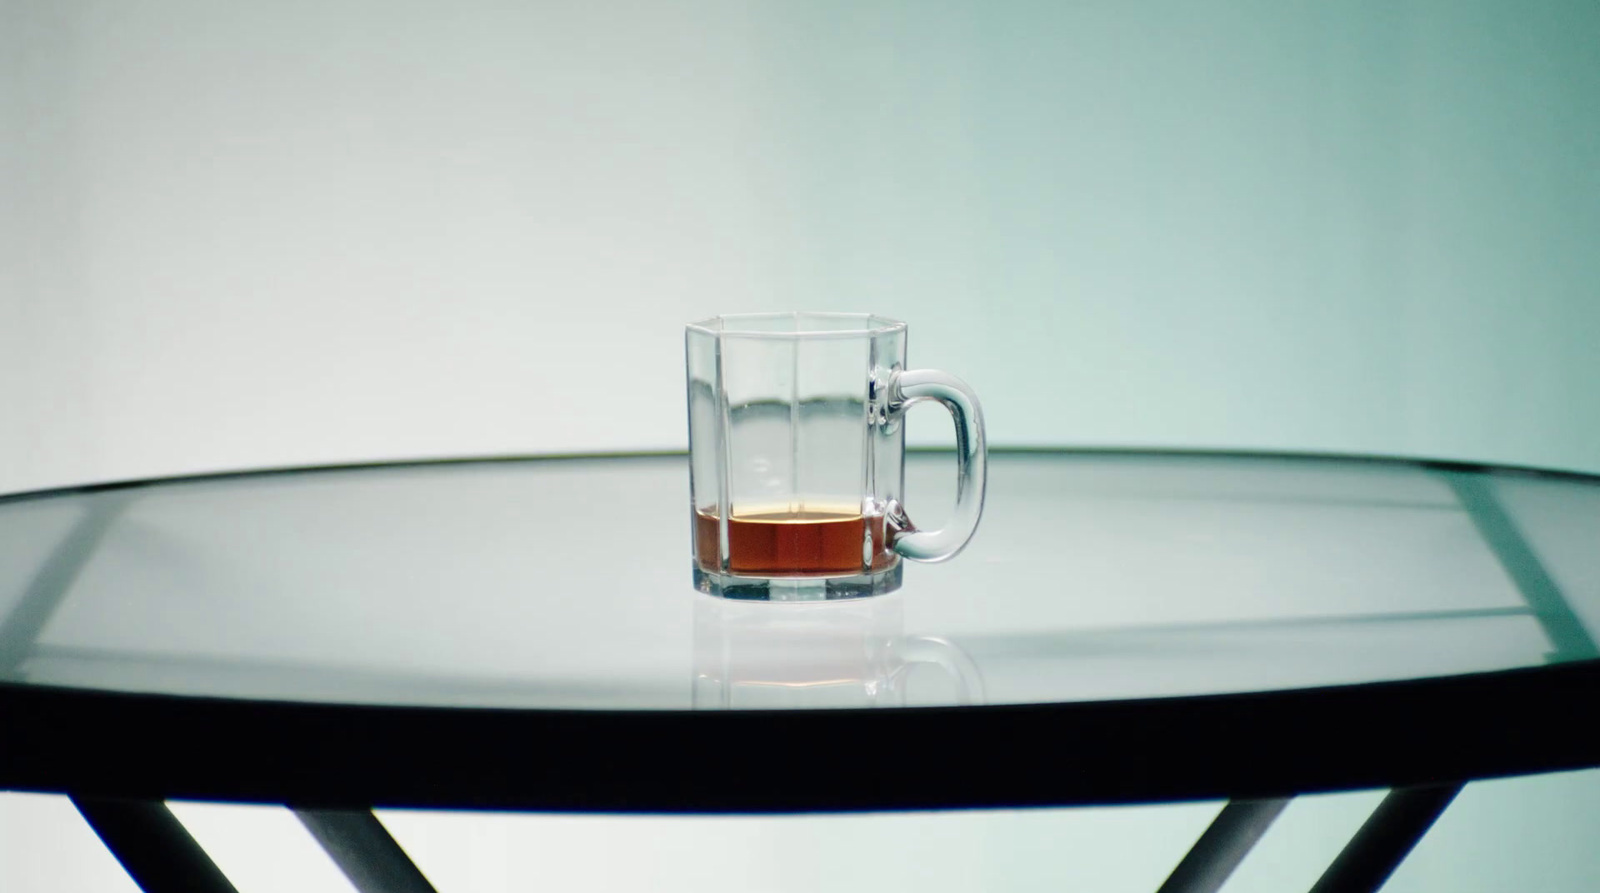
[872,325]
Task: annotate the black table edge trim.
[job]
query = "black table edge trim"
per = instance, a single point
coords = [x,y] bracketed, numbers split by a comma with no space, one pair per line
[1247,745]
[1419,462]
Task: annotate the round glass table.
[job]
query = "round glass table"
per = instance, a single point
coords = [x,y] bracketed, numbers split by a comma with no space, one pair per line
[523,634]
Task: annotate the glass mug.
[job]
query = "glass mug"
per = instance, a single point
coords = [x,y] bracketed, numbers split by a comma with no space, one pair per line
[796,455]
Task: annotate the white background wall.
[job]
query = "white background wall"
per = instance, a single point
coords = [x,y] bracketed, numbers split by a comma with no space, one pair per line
[237,234]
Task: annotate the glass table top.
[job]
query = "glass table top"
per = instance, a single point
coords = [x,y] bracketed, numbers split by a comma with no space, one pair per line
[565,583]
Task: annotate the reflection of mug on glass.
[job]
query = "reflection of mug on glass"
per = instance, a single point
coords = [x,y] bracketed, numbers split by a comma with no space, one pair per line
[822,655]
[796,449]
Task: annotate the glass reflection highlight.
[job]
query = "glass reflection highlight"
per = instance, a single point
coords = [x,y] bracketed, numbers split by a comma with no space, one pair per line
[819,655]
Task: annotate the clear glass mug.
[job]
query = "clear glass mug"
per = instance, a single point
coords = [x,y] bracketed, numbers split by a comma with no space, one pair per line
[796,455]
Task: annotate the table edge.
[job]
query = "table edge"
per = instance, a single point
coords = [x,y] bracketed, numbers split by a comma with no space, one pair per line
[1242,745]
[1419,462]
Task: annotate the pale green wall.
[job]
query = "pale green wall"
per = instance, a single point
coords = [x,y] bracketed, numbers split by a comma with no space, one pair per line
[260,234]
[1321,226]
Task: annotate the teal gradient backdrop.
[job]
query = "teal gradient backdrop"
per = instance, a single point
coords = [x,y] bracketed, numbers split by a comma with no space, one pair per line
[262,234]
[1339,226]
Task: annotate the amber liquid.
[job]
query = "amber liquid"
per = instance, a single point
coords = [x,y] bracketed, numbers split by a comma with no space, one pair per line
[780,543]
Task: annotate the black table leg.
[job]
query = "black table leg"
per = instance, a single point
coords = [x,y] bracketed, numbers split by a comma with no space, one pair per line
[1223,846]
[364,851]
[153,846]
[1385,839]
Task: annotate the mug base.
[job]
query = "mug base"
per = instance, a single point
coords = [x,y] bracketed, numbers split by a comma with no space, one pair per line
[797,589]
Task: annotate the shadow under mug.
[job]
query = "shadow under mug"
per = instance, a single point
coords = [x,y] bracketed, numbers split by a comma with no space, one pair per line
[749,656]
[797,455]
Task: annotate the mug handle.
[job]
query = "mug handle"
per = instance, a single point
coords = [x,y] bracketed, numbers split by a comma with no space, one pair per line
[949,657]
[912,386]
